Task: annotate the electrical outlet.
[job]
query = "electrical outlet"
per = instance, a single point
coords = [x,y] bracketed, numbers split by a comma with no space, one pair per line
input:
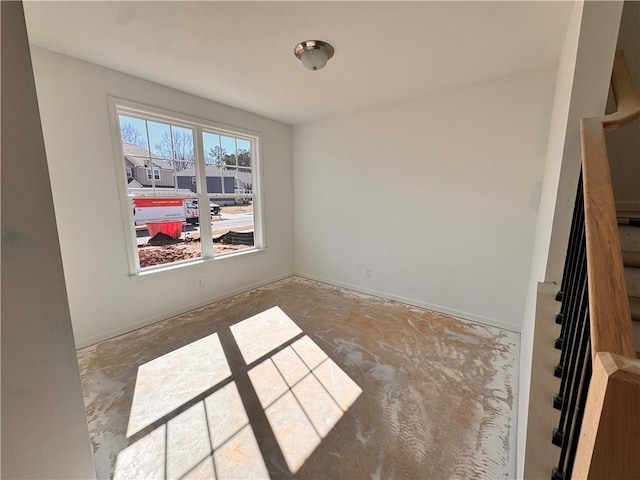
[367,273]
[200,282]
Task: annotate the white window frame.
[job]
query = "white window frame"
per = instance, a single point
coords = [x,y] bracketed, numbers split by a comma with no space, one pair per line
[156,174]
[119,106]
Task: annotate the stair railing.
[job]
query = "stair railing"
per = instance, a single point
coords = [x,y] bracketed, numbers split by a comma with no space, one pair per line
[599,398]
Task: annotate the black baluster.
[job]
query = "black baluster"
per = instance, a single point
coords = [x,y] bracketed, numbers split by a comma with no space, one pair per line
[582,403]
[574,367]
[573,236]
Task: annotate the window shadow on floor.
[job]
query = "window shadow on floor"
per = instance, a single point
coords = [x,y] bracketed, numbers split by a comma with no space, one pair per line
[252,400]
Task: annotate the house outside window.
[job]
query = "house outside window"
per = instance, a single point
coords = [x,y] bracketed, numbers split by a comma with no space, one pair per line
[156,174]
[185,170]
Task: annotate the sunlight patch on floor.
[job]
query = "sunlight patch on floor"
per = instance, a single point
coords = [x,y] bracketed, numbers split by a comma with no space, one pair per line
[304,394]
[200,426]
[211,439]
[169,381]
[258,335]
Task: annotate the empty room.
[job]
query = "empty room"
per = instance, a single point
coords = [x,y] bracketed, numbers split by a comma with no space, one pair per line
[286,239]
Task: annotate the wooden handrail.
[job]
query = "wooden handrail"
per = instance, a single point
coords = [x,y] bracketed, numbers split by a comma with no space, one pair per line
[624,93]
[608,447]
[608,431]
[610,317]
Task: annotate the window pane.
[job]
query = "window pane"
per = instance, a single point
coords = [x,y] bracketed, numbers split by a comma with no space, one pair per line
[183,144]
[211,144]
[234,229]
[185,175]
[165,222]
[133,131]
[244,153]
[229,148]
[230,187]
[244,144]
[160,140]
[166,230]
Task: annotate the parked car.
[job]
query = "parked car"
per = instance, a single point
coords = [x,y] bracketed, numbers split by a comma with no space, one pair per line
[191,212]
[214,208]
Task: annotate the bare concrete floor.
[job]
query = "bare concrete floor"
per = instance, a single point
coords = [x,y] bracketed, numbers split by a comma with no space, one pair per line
[298,379]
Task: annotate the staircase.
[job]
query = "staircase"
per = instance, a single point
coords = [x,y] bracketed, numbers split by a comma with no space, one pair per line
[598,366]
[629,228]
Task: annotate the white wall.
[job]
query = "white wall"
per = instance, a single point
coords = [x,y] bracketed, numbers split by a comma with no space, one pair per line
[44,427]
[596,49]
[104,300]
[553,164]
[581,89]
[436,196]
[623,145]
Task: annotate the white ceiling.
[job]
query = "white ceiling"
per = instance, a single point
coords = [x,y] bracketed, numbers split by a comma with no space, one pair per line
[241,53]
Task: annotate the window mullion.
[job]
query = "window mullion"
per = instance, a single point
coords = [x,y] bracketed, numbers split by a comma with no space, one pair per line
[256,195]
[222,163]
[153,180]
[206,235]
[174,160]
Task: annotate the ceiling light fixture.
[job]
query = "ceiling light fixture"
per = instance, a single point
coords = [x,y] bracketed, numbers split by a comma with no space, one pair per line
[313,54]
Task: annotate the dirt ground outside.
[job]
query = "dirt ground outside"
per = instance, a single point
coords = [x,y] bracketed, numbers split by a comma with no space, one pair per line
[162,255]
[235,209]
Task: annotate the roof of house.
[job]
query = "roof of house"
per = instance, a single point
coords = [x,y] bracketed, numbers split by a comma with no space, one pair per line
[213,171]
[139,156]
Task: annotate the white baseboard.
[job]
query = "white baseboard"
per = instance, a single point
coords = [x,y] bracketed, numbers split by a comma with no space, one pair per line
[486,321]
[628,205]
[178,311]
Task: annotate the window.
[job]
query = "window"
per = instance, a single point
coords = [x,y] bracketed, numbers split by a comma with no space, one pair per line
[156,174]
[197,199]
